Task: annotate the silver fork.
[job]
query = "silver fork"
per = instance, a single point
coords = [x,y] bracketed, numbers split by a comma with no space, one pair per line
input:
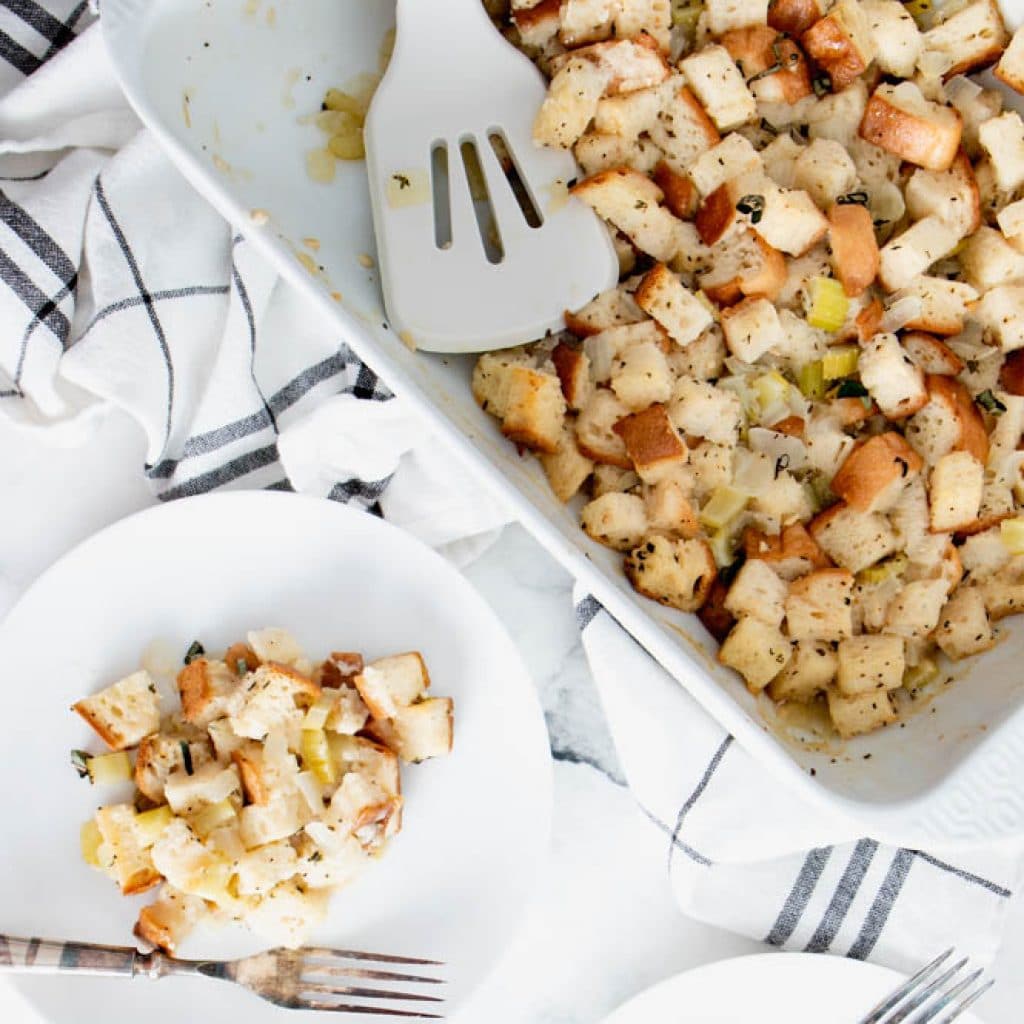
[926,997]
[313,978]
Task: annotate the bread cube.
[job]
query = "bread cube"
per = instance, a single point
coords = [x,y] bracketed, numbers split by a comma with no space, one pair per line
[824,170]
[757,592]
[930,355]
[131,865]
[854,250]
[852,539]
[274,644]
[964,628]
[595,430]
[579,22]
[773,65]
[757,650]
[628,114]
[893,380]
[653,443]
[988,260]
[641,376]
[125,712]
[718,84]
[951,196]
[914,612]
[570,104]
[1011,222]
[681,129]
[731,158]
[809,672]
[791,554]
[751,328]
[419,731]
[794,17]
[628,64]
[629,200]
[911,253]
[612,308]
[854,716]
[841,43]
[838,115]
[669,508]
[702,410]
[596,152]
[943,304]
[188,792]
[791,222]
[1002,138]
[894,35]
[972,37]
[572,364]
[949,421]
[388,684]
[1001,310]
[711,466]
[492,378]
[679,191]
[637,18]
[535,410]
[617,521]
[819,606]
[1010,68]
[567,469]
[537,23]
[899,119]
[874,474]
[662,295]
[160,754]
[726,15]
[269,698]
[956,487]
[744,265]
[870,662]
[678,573]
[166,923]
[287,914]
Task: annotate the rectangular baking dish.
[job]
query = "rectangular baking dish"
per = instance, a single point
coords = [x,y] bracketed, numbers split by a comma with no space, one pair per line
[224,85]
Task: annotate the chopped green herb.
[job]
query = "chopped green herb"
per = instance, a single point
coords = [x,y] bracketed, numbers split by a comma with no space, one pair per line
[781,463]
[186,753]
[859,198]
[241,667]
[851,388]
[764,74]
[822,84]
[752,205]
[80,762]
[195,650]
[990,403]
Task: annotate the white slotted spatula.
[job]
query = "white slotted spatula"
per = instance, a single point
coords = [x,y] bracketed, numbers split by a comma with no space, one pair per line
[473,255]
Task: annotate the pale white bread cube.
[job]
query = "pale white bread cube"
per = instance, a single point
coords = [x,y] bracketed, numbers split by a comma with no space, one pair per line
[1011,222]
[582,21]
[702,359]
[809,672]
[608,479]
[627,64]
[825,171]
[819,606]
[751,328]
[329,856]
[790,222]
[269,698]
[570,103]
[841,43]
[388,684]
[915,610]
[681,128]
[782,501]
[634,18]
[744,264]
[975,108]
[612,308]
[711,465]
[838,115]
[1010,68]
[210,690]
[895,37]
[669,508]
[595,429]
[827,444]
[944,304]
[165,923]
[367,810]
[1005,437]
[955,491]
[724,15]
[1002,138]
[536,23]
[892,378]
[617,521]
[731,158]
[535,409]
[983,554]
[641,376]
[125,712]
[223,739]
[287,914]
[950,195]
[779,158]
[210,784]
[875,166]
[874,474]
[663,296]
[899,119]
[702,410]
[492,379]
[180,856]
[757,650]
[854,716]
[912,252]
[1003,591]
[949,421]
[603,348]
[718,84]
[692,256]
[628,114]
[972,37]
[870,662]
[281,817]
[801,343]
[420,731]
[161,753]
[629,200]
[1001,311]
[852,539]
[758,592]
[275,644]
[653,444]
[567,469]
[596,152]
[131,864]
[930,354]
[988,260]
[370,760]
[678,573]
[259,870]
[964,628]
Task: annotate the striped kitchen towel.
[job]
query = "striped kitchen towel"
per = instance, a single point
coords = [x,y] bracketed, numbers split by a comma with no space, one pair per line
[744,854]
[120,287]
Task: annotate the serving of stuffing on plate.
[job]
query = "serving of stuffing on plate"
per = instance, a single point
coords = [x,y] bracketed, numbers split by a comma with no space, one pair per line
[799,414]
[275,782]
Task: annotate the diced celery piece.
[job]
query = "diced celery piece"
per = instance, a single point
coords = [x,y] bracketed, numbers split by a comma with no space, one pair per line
[317,715]
[316,756]
[1011,533]
[894,566]
[811,379]
[840,361]
[829,304]
[724,504]
[150,825]
[109,768]
[772,389]
[920,674]
[213,816]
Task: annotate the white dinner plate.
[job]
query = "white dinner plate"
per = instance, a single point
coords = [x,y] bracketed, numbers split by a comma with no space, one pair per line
[767,988]
[455,881]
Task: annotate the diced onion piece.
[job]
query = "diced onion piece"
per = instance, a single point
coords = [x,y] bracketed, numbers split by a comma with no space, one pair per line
[753,473]
[811,379]
[109,768]
[213,816]
[772,390]
[309,786]
[901,312]
[828,304]
[316,756]
[883,570]
[724,505]
[840,361]
[962,91]
[90,841]
[1011,533]
[211,884]
[150,825]
[920,674]
[316,716]
[784,451]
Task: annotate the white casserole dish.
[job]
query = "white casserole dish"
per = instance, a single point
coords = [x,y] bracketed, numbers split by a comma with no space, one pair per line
[954,773]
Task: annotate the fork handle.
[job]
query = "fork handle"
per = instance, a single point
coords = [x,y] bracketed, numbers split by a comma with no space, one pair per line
[42,956]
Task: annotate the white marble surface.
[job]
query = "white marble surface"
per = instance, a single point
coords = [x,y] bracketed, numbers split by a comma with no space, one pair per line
[603,925]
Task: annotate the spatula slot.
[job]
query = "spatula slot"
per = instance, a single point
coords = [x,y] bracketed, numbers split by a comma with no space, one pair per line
[486,222]
[502,150]
[441,195]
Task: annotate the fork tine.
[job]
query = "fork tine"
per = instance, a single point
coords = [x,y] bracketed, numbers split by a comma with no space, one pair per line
[926,993]
[947,997]
[876,1014]
[381,1011]
[351,954]
[365,993]
[330,971]
[968,1001]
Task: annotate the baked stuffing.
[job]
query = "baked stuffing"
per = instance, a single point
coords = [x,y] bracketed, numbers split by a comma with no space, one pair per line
[799,414]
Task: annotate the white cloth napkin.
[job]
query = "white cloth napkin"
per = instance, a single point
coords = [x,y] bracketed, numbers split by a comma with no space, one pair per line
[745,854]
